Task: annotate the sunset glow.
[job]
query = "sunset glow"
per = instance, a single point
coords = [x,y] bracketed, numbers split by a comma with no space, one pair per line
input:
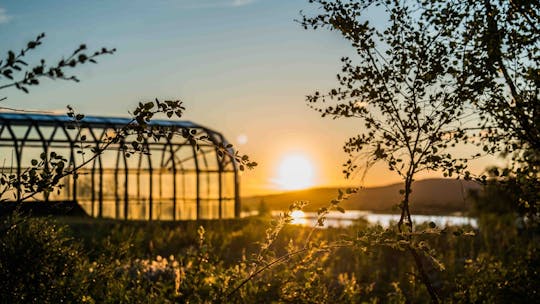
[298,217]
[295,172]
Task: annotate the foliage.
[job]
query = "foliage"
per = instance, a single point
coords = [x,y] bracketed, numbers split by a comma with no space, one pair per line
[439,74]
[42,177]
[500,77]
[521,181]
[500,74]
[400,86]
[411,97]
[14,65]
[489,280]
[38,261]
[116,265]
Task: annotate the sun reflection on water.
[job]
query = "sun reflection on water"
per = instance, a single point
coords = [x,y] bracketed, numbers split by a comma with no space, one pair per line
[299,217]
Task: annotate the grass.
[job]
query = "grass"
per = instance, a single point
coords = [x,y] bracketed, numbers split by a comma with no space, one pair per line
[113,261]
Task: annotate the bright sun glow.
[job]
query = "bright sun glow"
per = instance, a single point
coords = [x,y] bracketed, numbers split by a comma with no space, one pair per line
[295,172]
[298,217]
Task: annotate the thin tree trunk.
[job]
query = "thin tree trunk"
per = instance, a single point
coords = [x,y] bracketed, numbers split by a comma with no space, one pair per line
[406,214]
[423,275]
[405,211]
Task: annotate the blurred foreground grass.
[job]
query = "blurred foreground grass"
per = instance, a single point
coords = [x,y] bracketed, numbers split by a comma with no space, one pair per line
[73,260]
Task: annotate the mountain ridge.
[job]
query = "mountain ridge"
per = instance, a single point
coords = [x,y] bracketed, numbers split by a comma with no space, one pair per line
[429,196]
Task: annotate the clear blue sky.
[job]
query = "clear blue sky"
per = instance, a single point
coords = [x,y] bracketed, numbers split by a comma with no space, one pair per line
[242,67]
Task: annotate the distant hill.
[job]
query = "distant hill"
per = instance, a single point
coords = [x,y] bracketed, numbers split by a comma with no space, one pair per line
[430,196]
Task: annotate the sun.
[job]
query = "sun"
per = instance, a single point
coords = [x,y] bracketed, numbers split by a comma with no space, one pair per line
[295,172]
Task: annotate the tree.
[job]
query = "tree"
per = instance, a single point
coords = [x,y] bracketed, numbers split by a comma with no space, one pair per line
[400,86]
[501,47]
[500,78]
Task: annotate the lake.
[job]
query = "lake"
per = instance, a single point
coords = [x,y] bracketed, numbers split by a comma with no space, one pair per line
[338,219]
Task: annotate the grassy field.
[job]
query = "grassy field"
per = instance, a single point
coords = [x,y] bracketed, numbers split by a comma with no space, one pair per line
[106,261]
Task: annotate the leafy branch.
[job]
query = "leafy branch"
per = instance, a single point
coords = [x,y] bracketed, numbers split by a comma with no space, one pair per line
[16,72]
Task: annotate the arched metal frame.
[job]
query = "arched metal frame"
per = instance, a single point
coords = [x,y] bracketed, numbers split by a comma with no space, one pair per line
[175,181]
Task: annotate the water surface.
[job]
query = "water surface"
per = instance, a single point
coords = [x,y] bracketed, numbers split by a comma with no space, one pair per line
[338,219]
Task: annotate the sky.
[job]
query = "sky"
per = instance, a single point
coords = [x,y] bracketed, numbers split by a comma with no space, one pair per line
[242,67]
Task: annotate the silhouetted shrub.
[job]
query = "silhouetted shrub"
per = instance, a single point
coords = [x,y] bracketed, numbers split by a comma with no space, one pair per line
[38,261]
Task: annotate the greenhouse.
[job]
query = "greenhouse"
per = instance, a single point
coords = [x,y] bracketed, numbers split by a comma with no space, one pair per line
[173,181]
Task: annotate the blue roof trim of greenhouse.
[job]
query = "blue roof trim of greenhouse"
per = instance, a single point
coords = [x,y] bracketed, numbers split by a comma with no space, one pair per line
[51,119]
